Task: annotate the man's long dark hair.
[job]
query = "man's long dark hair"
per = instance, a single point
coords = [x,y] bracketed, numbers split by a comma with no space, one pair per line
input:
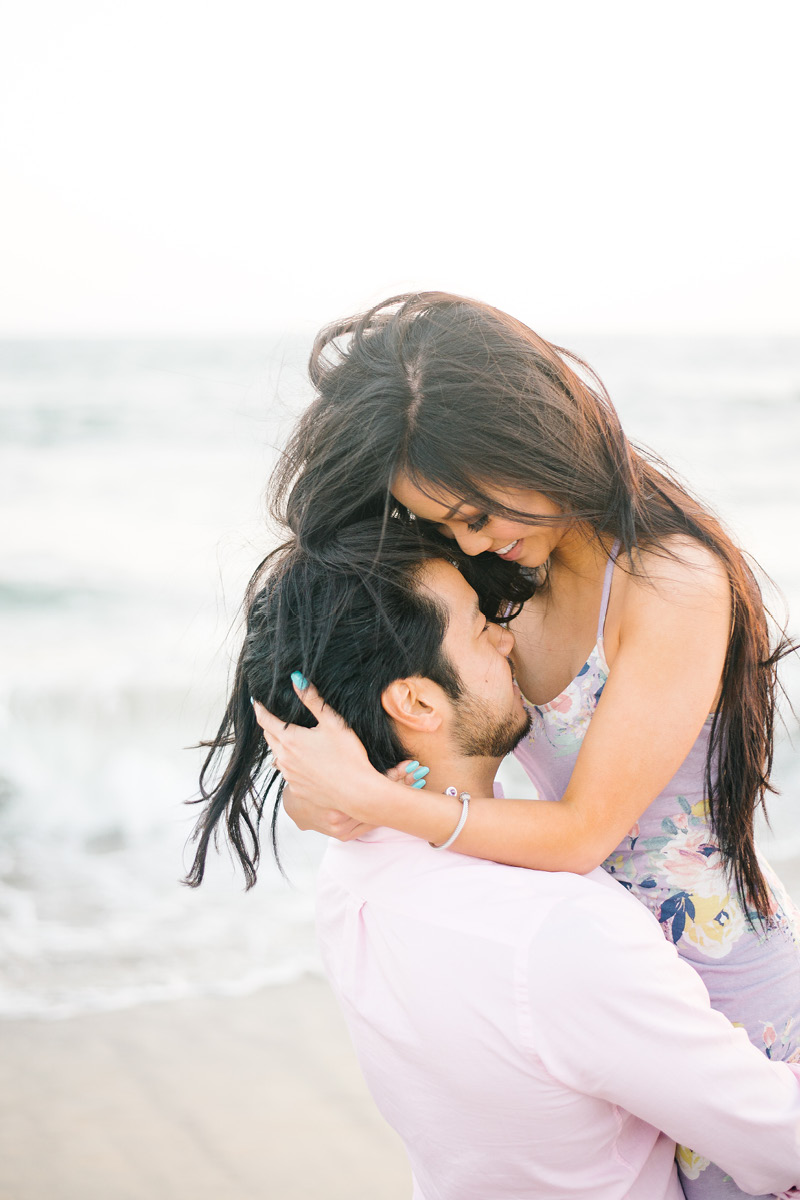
[462,398]
[352,618]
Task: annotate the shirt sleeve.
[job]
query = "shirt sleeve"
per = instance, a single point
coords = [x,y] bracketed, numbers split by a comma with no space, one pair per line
[625,1020]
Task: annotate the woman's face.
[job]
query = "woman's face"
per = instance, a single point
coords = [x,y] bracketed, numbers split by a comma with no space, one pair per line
[529,544]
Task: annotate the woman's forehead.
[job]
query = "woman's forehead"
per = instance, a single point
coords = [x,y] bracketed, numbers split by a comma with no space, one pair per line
[431,502]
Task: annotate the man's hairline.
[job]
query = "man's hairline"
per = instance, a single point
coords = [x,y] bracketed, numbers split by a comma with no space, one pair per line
[442,608]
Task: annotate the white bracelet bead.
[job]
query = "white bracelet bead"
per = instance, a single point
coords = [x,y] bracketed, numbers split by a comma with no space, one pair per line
[465,799]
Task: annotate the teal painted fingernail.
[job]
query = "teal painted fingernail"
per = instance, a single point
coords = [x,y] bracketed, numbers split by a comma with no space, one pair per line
[421,773]
[299,680]
[412,767]
[252,701]
[420,783]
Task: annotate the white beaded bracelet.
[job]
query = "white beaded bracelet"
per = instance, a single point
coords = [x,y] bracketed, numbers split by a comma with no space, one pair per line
[464,797]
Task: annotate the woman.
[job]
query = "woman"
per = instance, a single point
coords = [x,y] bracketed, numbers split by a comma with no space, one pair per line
[464,417]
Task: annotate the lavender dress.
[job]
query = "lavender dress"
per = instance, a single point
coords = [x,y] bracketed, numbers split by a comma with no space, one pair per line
[670,862]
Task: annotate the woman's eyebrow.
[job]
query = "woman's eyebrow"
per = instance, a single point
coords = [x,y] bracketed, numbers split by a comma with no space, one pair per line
[451,512]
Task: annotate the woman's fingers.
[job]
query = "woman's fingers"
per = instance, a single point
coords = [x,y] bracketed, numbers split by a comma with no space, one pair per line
[357,831]
[397,774]
[313,701]
[414,775]
[331,822]
[272,727]
[341,826]
[408,772]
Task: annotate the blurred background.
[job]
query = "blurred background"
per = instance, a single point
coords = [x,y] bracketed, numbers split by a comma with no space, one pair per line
[188,192]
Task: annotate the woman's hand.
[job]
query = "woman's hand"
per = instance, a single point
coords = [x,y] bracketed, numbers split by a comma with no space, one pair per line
[332,785]
[313,815]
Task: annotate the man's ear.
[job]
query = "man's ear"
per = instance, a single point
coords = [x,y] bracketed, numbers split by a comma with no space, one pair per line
[414,704]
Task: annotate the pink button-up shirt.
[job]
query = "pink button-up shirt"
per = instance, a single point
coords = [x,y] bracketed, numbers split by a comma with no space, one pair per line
[530,1034]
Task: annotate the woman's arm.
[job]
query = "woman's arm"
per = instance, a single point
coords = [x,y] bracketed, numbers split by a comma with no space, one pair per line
[666,663]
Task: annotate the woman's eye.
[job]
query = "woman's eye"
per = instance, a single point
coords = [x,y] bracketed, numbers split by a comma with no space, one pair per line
[477,525]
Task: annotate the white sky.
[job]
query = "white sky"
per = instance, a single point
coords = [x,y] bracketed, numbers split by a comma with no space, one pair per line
[234,167]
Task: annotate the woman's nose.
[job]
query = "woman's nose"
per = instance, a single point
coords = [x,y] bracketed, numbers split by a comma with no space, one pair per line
[472,543]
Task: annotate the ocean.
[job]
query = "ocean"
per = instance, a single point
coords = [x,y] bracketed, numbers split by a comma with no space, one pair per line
[132,476]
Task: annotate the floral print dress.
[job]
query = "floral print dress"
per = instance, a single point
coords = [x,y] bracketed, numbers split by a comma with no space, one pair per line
[670,862]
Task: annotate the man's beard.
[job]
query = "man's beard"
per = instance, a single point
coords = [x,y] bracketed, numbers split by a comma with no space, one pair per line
[480,735]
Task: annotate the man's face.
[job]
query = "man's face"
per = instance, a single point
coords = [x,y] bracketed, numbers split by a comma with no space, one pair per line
[489,718]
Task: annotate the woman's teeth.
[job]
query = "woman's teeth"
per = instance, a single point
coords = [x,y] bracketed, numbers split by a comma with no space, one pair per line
[506,549]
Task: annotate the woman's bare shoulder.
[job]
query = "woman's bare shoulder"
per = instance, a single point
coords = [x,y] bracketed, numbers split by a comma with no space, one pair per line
[679,572]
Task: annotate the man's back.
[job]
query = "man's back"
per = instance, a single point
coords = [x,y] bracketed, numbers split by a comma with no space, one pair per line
[509,1022]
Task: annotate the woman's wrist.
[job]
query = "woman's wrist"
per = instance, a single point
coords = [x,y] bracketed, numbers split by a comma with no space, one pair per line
[423,814]
[380,801]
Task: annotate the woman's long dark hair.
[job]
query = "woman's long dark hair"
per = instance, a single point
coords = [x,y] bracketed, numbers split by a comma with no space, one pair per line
[461,398]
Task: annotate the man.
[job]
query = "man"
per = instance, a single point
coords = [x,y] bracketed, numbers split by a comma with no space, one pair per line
[528,1034]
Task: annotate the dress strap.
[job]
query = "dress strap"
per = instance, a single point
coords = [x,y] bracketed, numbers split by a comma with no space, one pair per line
[612,558]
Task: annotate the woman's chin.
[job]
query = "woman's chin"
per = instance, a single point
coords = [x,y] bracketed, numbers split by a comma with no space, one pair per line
[531,560]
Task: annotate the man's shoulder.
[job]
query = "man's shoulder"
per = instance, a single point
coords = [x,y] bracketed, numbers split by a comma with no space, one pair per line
[405,877]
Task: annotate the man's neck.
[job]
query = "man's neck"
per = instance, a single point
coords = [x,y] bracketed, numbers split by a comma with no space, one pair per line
[465,774]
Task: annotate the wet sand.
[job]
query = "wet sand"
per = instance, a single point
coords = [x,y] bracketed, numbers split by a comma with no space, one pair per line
[253,1098]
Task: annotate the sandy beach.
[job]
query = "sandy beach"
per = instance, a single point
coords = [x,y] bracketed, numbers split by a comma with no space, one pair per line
[253,1098]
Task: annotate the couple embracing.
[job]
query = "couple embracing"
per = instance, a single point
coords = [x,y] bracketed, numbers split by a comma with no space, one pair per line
[527,982]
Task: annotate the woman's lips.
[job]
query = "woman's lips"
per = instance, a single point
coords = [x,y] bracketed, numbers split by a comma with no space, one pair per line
[510,552]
